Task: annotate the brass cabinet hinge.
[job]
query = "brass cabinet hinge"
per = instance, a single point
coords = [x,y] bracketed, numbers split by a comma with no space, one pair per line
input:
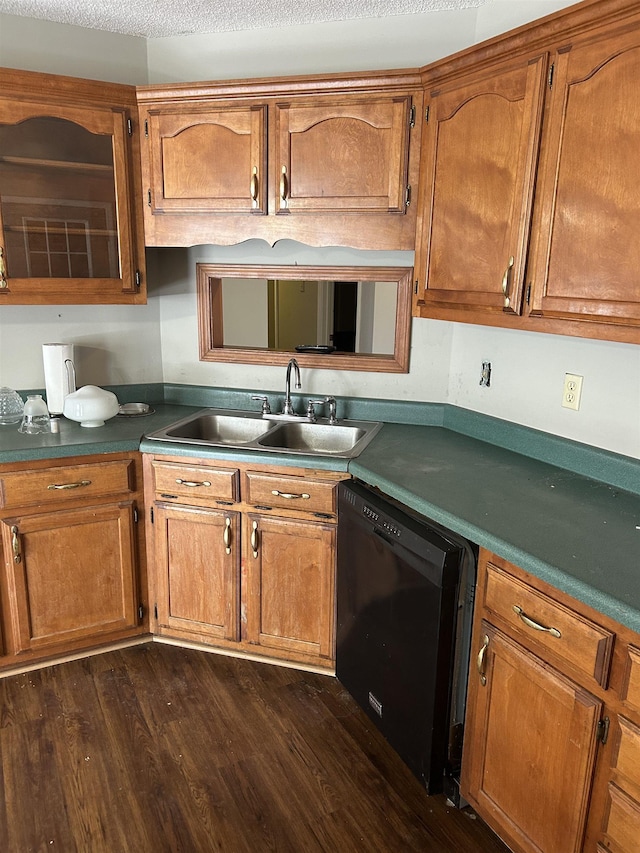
[426,114]
[412,116]
[550,75]
[528,296]
[149,197]
[151,515]
[602,733]
[146,128]
[415,287]
[407,196]
[129,127]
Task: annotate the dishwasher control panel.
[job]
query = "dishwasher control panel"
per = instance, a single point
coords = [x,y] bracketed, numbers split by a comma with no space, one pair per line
[381,522]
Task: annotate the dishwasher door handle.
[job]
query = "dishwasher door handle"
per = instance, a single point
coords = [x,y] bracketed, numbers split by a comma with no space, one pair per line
[385,537]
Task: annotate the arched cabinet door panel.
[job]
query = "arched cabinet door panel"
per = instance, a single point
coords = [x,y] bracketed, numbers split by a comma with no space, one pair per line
[587,253]
[349,155]
[480,149]
[206,160]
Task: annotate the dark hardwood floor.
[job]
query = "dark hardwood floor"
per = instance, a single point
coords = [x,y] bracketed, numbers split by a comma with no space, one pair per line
[157,748]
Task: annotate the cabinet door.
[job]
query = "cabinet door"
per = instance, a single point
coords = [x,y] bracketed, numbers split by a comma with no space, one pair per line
[479,153]
[68,229]
[588,253]
[348,155]
[530,748]
[197,570]
[288,597]
[205,160]
[71,575]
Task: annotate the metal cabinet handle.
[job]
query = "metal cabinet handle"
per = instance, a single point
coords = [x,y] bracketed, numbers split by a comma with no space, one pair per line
[481,660]
[192,484]
[63,486]
[290,496]
[535,625]
[284,186]
[226,536]
[255,186]
[15,543]
[255,539]
[3,270]
[506,280]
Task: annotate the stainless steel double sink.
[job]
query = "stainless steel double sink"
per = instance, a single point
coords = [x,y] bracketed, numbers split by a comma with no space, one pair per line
[252,431]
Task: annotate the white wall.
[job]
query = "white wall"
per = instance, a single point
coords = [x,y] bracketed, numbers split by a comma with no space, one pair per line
[159,341]
[364,44]
[34,45]
[527,381]
[114,344]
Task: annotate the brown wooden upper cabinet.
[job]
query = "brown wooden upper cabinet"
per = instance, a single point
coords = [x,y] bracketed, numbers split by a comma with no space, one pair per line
[70,220]
[479,157]
[325,162]
[586,251]
[529,214]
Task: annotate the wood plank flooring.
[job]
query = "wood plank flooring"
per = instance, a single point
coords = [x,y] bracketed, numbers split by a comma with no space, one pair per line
[157,748]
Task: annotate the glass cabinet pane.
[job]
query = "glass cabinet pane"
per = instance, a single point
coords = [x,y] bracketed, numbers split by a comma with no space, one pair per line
[58,200]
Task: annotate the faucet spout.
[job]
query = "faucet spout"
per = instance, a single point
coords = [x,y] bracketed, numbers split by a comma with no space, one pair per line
[288,405]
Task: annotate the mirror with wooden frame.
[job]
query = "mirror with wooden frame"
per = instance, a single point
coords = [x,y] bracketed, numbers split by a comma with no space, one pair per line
[340,318]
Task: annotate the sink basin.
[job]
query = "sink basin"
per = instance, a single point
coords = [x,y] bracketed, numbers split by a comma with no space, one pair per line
[314,438]
[250,431]
[213,427]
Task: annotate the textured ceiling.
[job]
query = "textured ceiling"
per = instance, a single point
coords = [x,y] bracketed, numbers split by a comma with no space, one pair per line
[158,18]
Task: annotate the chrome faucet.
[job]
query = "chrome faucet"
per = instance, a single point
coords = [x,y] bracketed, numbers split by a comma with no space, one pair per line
[287,408]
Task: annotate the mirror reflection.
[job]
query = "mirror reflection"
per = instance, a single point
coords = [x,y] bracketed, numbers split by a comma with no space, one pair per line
[349,318]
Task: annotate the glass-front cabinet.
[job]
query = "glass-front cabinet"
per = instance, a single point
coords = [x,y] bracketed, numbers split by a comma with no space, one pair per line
[68,202]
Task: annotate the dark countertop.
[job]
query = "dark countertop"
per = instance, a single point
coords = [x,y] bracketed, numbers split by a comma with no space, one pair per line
[579,534]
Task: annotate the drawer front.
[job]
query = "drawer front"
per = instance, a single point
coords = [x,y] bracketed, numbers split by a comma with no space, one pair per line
[543,621]
[622,822]
[631,686]
[197,483]
[68,482]
[297,493]
[627,759]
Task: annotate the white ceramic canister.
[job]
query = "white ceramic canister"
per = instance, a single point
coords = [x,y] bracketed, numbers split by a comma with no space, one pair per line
[59,375]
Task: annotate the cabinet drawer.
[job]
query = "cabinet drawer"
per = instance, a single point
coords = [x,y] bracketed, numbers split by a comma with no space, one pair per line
[298,493]
[549,624]
[631,685]
[627,757]
[196,482]
[622,822]
[68,482]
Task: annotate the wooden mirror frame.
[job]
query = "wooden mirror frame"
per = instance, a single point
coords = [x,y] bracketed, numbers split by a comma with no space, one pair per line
[209,294]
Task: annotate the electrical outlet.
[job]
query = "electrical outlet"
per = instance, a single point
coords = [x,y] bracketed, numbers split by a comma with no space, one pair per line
[572,391]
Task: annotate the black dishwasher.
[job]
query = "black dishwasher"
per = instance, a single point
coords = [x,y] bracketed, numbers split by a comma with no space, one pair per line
[405,592]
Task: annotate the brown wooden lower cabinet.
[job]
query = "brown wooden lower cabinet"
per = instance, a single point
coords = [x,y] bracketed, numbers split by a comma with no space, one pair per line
[71,548]
[533,750]
[289,586]
[244,558]
[552,738]
[197,573]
